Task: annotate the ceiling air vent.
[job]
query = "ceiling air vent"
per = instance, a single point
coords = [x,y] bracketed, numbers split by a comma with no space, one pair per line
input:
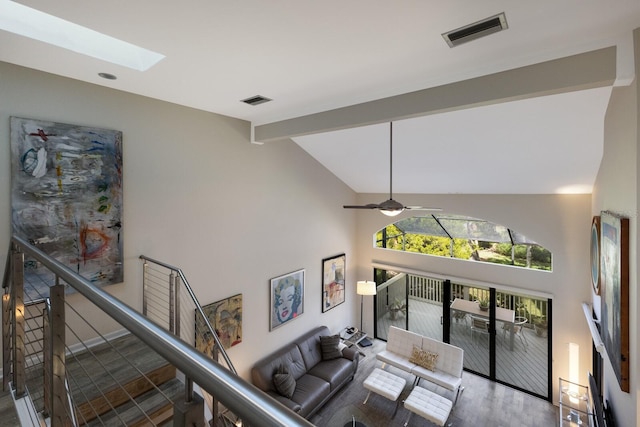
[256,100]
[476,30]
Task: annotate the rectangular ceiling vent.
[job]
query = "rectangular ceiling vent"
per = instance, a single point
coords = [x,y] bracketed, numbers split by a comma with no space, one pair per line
[476,30]
[256,100]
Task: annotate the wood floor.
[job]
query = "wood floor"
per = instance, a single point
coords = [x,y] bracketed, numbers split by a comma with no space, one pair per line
[482,404]
[8,414]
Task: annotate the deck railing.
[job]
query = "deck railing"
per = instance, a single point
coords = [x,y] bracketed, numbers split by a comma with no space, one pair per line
[430,290]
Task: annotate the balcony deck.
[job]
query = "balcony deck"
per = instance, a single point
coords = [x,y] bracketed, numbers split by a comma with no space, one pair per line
[523,368]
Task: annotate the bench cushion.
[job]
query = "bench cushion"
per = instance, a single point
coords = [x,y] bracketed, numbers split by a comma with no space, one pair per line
[401,342]
[438,377]
[394,359]
[429,405]
[385,384]
[450,359]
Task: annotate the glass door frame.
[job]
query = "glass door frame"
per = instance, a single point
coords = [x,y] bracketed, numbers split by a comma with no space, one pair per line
[445,321]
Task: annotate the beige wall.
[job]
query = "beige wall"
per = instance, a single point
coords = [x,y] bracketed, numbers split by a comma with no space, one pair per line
[616,190]
[199,195]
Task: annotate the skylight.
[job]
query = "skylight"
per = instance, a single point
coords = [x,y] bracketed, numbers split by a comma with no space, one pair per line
[34,24]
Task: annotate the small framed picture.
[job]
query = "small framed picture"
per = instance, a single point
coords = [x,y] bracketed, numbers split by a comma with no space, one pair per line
[333,281]
[225,316]
[287,298]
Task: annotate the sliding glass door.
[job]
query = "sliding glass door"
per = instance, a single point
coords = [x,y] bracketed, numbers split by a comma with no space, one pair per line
[506,341]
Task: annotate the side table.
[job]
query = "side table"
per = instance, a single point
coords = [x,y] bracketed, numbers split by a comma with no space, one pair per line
[352,338]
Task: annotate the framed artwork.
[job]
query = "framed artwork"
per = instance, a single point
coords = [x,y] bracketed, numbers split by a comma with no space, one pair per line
[225,316]
[333,281]
[287,298]
[614,283]
[595,254]
[66,195]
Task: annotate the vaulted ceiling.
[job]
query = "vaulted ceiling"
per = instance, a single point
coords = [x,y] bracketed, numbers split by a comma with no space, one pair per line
[315,57]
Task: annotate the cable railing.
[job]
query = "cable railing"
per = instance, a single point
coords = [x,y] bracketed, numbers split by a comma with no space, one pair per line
[56,340]
[169,300]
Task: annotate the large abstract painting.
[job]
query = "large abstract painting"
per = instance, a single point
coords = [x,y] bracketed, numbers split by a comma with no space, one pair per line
[66,195]
[614,281]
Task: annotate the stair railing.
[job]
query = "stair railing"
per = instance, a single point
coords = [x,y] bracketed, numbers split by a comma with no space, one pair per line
[169,299]
[242,398]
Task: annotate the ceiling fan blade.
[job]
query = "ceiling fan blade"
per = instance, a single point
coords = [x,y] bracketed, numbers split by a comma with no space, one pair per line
[369,206]
[422,208]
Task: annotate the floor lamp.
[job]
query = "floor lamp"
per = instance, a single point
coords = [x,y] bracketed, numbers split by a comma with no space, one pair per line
[364,288]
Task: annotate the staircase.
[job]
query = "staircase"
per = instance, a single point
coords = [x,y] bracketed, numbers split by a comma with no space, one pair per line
[126,369]
[66,372]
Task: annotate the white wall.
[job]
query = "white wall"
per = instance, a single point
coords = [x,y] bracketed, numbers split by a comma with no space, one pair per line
[561,223]
[199,195]
[616,189]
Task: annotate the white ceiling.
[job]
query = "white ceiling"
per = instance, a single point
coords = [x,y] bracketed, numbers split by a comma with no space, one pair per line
[311,57]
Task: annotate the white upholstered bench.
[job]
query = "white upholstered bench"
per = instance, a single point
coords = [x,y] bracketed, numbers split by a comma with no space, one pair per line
[429,405]
[449,365]
[385,384]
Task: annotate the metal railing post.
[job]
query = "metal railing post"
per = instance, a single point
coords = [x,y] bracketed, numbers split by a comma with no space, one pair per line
[6,340]
[177,306]
[17,316]
[144,287]
[46,356]
[59,406]
[172,290]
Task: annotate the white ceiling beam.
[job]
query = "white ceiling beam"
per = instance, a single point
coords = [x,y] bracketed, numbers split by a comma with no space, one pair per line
[578,72]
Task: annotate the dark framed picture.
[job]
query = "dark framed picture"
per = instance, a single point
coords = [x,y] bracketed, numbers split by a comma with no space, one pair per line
[333,281]
[614,284]
[595,254]
[287,298]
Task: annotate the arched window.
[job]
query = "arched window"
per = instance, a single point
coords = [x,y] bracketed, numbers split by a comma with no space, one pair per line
[463,237]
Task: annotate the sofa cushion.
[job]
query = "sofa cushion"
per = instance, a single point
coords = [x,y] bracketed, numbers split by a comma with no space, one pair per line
[284,382]
[334,371]
[330,346]
[309,345]
[426,359]
[263,371]
[310,392]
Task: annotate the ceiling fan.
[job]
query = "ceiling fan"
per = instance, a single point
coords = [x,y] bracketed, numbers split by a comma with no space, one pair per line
[390,207]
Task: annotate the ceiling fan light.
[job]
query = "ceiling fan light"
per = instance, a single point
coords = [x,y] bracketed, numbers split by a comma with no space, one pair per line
[391,212]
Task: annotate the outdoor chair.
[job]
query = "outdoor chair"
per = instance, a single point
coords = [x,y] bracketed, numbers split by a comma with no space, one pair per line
[479,325]
[459,317]
[518,331]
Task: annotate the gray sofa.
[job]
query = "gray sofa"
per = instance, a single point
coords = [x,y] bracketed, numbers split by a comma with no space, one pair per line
[316,380]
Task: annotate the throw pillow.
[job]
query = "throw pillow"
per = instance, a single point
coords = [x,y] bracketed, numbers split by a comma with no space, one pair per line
[284,382]
[424,358]
[330,347]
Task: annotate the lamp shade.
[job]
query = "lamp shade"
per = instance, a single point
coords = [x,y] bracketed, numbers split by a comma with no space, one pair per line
[366,287]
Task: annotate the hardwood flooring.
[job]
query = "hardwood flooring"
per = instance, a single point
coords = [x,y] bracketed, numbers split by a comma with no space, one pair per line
[482,403]
[8,414]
